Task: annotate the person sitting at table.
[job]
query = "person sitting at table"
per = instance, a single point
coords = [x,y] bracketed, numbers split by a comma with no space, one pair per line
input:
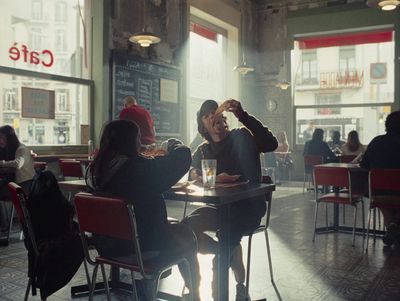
[283,158]
[119,170]
[16,160]
[353,146]
[142,117]
[383,152]
[237,152]
[335,144]
[316,146]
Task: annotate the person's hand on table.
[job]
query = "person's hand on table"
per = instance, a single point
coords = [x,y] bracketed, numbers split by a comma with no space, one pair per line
[226,178]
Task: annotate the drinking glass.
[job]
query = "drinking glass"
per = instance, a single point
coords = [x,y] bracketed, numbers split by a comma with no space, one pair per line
[209,172]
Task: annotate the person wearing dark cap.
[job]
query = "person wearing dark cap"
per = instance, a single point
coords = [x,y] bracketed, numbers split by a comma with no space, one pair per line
[134,112]
[237,152]
[383,152]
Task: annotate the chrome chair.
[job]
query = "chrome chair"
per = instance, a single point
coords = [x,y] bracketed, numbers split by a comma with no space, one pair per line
[92,211]
[384,191]
[336,177]
[309,162]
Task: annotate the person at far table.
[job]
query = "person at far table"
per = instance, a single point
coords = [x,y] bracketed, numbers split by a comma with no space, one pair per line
[384,152]
[353,146]
[317,146]
[134,112]
[237,152]
[283,158]
[119,170]
[336,143]
[16,165]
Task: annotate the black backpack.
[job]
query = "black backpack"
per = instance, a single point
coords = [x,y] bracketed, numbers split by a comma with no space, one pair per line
[51,213]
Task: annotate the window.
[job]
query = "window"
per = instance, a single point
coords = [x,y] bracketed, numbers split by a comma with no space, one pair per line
[326,101]
[10,100]
[60,40]
[61,12]
[347,60]
[354,83]
[309,67]
[36,38]
[37,10]
[62,101]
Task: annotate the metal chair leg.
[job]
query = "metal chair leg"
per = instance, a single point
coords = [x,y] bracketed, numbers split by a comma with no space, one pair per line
[28,288]
[93,282]
[315,219]
[106,286]
[86,272]
[363,217]
[369,222]
[11,221]
[248,265]
[134,289]
[326,216]
[269,255]
[304,182]
[344,214]
[354,224]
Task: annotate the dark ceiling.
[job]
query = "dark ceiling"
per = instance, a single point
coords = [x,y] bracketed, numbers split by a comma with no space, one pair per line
[303,4]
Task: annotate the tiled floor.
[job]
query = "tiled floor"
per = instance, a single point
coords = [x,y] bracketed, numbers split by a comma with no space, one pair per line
[329,269]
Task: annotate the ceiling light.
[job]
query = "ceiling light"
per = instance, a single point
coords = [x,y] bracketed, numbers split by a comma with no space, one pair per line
[388,4]
[144,39]
[284,85]
[243,69]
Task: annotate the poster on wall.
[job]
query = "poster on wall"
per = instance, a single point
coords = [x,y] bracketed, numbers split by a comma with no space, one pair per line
[37,103]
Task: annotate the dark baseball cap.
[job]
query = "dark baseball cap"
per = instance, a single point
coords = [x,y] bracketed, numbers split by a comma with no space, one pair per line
[208,106]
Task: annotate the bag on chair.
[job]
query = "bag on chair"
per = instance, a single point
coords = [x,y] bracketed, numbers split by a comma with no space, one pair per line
[59,244]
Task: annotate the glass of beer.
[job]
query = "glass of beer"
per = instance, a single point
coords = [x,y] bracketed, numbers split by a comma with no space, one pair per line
[209,172]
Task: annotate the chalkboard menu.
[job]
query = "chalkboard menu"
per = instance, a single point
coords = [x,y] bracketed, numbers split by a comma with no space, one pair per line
[156,87]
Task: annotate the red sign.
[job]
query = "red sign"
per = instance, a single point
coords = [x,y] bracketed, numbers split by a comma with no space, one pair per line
[348,79]
[45,57]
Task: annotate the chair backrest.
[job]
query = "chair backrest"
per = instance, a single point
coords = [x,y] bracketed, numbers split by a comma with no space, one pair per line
[311,160]
[19,201]
[70,168]
[331,176]
[346,158]
[92,212]
[384,180]
[38,165]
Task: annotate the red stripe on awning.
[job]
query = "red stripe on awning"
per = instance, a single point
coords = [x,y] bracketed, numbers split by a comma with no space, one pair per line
[345,40]
[203,31]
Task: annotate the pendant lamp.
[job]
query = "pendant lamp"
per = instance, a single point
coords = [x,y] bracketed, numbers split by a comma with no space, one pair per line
[144,38]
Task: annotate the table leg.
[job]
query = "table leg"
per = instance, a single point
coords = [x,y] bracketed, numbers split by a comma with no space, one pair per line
[224,254]
[336,216]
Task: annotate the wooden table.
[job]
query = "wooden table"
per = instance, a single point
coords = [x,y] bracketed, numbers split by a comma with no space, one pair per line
[73,186]
[359,182]
[223,197]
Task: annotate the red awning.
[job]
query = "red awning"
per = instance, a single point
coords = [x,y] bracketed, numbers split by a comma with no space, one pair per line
[346,39]
[203,31]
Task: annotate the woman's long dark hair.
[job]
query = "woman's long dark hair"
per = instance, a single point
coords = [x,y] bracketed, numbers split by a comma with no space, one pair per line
[119,138]
[353,141]
[12,142]
[318,135]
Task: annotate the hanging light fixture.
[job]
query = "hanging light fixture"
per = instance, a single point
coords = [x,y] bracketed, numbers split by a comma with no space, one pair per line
[384,4]
[283,83]
[144,38]
[243,68]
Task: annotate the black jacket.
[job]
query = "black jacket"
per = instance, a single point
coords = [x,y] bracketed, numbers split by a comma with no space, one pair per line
[382,152]
[142,181]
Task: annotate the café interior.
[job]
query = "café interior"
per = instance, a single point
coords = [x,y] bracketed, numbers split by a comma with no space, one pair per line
[66,66]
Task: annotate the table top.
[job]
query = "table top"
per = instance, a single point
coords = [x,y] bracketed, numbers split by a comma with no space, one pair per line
[342,165]
[73,185]
[221,196]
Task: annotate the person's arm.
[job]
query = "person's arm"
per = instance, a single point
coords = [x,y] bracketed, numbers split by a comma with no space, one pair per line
[195,170]
[20,157]
[166,170]
[265,140]
[365,160]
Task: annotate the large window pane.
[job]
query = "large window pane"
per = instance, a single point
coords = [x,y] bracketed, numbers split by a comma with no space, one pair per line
[71,111]
[361,73]
[37,34]
[367,121]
